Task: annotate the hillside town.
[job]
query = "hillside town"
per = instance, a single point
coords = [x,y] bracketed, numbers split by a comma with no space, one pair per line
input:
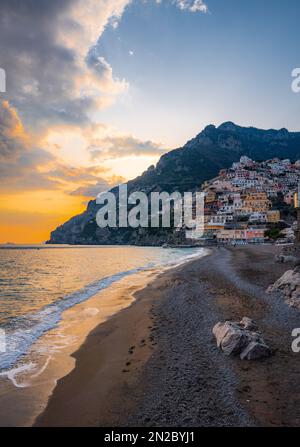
[252,202]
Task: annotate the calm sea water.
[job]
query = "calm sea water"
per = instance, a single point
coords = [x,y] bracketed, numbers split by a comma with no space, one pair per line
[38,283]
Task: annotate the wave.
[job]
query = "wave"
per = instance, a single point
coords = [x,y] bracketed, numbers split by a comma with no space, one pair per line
[24,331]
[34,325]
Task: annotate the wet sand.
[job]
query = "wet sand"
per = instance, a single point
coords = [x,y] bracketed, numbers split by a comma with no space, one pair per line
[25,389]
[155,363]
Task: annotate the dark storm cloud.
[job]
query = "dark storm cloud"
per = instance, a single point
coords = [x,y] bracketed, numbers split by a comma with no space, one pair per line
[39,72]
[41,65]
[19,160]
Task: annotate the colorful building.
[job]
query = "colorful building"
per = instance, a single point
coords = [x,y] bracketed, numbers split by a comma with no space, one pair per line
[246,236]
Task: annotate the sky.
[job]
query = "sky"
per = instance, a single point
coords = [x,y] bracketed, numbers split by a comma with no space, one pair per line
[98,90]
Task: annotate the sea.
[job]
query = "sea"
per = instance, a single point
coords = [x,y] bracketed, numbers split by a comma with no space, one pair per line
[45,289]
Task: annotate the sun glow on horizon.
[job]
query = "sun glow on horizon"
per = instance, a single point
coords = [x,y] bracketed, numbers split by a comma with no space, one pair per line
[30,217]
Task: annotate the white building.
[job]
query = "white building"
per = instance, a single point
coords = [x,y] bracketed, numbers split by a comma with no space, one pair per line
[246,161]
[258,217]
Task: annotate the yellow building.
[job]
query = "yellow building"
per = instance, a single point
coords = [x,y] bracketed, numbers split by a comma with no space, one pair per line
[273,216]
[210,196]
[296,200]
[256,202]
[214,227]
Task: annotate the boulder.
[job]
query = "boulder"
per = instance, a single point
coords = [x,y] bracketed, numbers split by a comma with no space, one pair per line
[241,339]
[289,286]
[288,282]
[230,337]
[234,340]
[255,350]
[248,324]
[219,331]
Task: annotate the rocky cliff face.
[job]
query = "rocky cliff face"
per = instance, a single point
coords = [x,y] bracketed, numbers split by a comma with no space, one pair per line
[183,169]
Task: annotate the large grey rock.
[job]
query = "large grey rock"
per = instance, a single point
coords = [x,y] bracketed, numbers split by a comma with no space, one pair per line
[255,350]
[220,330]
[230,337]
[248,324]
[289,286]
[241,339]
[234,341]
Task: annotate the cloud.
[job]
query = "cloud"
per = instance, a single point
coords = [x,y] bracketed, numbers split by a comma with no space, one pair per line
[124,146]
[27,166]
[102,185]
[106,144]
[20,159]
[103,74]
[90,179]
[55,73]
[48,77]
[57,77]
[84,21]
[191,5]
[71,174]
[13,138]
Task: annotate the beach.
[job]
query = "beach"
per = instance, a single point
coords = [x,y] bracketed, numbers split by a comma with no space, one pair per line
[155,363]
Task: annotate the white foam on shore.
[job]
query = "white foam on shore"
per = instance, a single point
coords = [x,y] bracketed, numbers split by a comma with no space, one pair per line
[198,254]
[90,312]
[33,326]
[13,374]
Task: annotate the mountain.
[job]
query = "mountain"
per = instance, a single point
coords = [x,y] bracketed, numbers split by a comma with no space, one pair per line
[183,169]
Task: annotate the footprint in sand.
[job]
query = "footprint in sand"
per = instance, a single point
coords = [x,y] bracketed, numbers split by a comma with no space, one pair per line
[131,350]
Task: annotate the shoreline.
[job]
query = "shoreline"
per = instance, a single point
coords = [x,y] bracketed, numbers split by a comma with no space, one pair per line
[155,363]
[26,390]
[102,361]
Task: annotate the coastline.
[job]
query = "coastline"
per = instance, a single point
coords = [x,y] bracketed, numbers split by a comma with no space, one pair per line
[25,389]
[155,363]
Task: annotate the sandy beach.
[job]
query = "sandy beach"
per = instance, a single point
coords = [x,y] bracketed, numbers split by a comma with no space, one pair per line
[156,363]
